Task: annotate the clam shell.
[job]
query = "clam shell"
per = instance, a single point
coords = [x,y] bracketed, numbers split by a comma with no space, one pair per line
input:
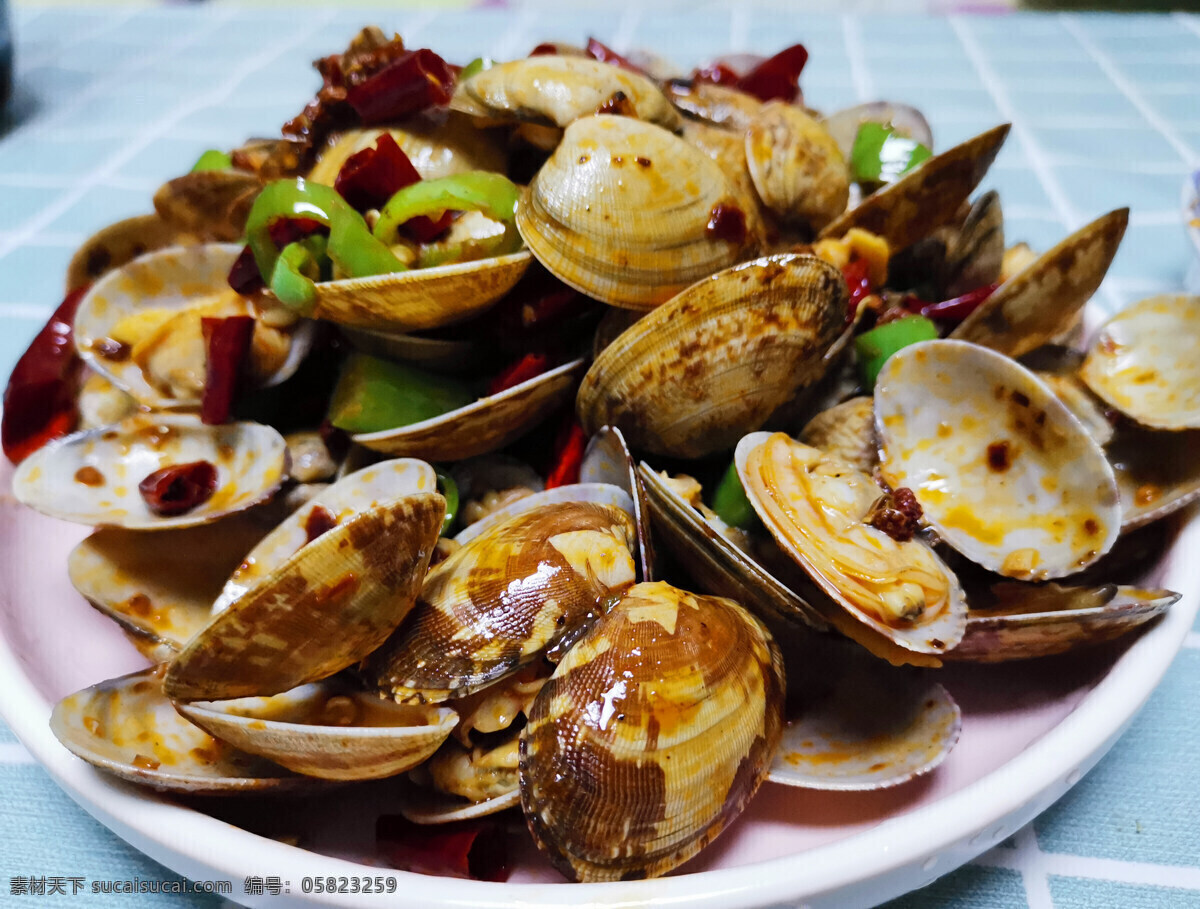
[1143,362]
[212,204]
[485,425]
[420,298]
[844,124]
[174,279]
[128,728]
[382,740]
[862,725]
[846,430]
[608,460]
[696,374]
[599,493]
[719,105]
[672,702]
[92,477]
[114,245]
[1157,472]
[1035,621]
[728,149]
[621,210]
[514,591]
[437,146]
[440,354]
[325,608]
[162,585]
[814,505]
[1004,471]
[1044,299]
[559,90]
[796,166]
[975,252]
[429,807]
[927,196]
[354,494]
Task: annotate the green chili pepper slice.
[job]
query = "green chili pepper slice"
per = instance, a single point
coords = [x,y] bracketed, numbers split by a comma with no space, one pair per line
[881,155]
[874,347]
[492,194]
[374,394]
[730,502]
[478,65]
[449,490]
[351,246]
[213,159]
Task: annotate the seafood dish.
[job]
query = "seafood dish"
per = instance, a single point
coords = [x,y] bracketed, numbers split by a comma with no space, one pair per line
[578,440]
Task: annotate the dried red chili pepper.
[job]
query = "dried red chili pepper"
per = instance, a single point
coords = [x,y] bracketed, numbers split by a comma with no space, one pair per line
[177,489]
[957,308]
[546,49]
[568,456]
[606,54]
[227,345]
[244,277]
[776,77]
[475,849]
[413,82]
[858,281]
[524,369]
[372,176]
[40,399]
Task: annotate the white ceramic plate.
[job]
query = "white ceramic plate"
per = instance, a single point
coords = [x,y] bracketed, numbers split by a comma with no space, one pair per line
[1030,732]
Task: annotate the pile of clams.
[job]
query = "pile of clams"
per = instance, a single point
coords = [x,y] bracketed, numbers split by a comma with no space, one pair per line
[395,522]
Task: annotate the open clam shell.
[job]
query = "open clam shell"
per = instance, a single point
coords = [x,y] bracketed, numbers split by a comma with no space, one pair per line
[1026,621]
[559,90]
[1143,362]
[848,431]
[927,196]
[622,211]
[92,477]
[816,506]
[1157,472]
[353,494]
[1044,299]
[674,703]
[482,426]
[861,724]
[440,354]
[325,608]
[429,807]
[844,124]
[212,204]
[420,298]
[161,284]
[597,493]
[327,730]
[608,460]
[128,728]
[119,243]
[693,376]
[512,592]
[718,105]
[1005,473]
[162,585]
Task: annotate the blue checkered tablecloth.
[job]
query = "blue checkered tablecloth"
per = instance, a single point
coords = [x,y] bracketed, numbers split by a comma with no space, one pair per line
[1106,112]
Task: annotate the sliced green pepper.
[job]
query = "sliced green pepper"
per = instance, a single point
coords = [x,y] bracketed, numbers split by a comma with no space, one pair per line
[478,65]
[492,194]
[880,154]
[374,394]
[730,502]
[875,346]
[213,159]
[449,490]
[351,246]
[296,270]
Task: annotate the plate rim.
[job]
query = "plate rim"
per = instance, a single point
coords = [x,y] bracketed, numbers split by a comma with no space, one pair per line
[913,843]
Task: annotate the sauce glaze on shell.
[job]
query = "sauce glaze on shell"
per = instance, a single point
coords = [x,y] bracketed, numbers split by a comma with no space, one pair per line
[652,734]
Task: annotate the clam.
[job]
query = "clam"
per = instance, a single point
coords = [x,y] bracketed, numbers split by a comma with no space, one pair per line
[696,374]
[351,495]
[485,425]
[140,326]
[1143,362]
[327,730]
[608,460]
[818,508]
[434,808]
[93,477]
[652,735]
[975,250]
[1004,472]
[1016,621]
[728,149]
[719,105]
[1157,472]
[211,204]
[127,727]
[1044,299]
[904,119]
[927,196]
[437,146]
[325,608]
[119,243]
[162,585]
[600,493]
[628,213]
[515,590]
[449,355]
[796,166]
[846,430]
[559,90]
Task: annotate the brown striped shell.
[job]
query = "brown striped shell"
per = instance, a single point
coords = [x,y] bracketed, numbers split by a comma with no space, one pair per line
[652,735]
[212,204]
[504,598]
